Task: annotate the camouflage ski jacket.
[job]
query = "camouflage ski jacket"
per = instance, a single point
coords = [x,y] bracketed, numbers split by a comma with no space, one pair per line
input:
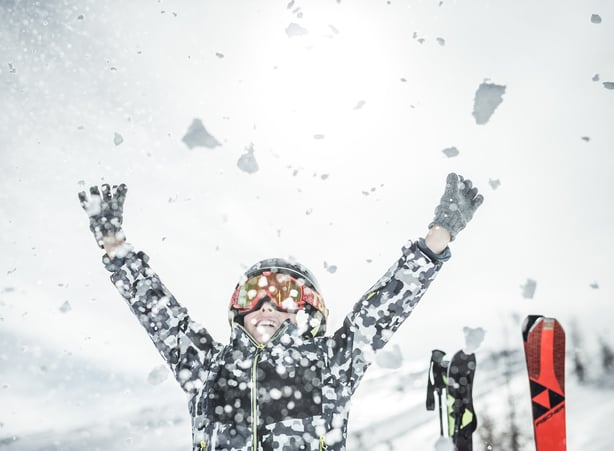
[290,394]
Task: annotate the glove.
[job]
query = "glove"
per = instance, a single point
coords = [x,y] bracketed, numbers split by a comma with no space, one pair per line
[457,206]
[105,211]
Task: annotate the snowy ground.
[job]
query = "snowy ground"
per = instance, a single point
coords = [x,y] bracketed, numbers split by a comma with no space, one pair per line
[110,412]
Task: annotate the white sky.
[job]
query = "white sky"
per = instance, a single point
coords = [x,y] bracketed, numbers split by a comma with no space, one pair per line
[146,69]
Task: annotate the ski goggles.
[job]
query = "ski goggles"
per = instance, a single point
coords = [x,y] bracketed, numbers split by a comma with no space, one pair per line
[284,291]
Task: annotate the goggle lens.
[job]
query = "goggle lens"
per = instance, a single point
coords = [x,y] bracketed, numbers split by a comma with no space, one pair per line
[287,293]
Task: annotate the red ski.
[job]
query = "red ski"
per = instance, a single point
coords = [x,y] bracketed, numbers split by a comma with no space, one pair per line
[544,348]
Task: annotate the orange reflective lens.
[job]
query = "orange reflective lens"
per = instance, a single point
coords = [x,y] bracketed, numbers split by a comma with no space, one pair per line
[287,293]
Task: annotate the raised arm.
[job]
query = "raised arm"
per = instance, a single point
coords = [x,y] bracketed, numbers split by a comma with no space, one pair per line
[386,305]
[185,345]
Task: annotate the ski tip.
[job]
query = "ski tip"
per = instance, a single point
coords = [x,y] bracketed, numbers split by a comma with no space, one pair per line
[528,324]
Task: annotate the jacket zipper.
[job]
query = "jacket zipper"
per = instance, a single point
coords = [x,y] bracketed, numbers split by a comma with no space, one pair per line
[259,348]
[255,397]
[203,445]
[323,444]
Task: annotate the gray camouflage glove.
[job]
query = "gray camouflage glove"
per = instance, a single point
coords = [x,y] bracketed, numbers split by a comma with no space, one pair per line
[105,211]
[458,204]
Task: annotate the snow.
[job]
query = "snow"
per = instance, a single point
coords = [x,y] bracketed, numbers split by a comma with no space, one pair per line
[487,99]
[229,123]
[198,136]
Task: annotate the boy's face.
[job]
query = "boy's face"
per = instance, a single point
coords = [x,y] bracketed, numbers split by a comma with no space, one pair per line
[264,322]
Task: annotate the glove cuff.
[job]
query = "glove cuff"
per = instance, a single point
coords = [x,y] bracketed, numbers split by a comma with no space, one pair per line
[122,253]
[444,256]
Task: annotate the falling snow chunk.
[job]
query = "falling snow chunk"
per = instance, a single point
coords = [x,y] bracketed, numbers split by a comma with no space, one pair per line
[294,30]
[494,184]
[198,136]
[586,138]
[595,77]
[219,55]
[158,375]
[65,307]
[450,152]
[80,17]
[318,136]
[594,285]
[118,139]
[441,41]
[330,268]
[608,84]
[360,104]
[247,162]
[473,339]
[528,289]
[390,358]
[334,29]
[487,98]
[596,18]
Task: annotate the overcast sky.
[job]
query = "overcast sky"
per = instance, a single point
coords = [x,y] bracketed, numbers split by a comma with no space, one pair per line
[327,123]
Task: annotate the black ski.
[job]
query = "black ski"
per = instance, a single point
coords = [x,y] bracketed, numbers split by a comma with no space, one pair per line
[462,421]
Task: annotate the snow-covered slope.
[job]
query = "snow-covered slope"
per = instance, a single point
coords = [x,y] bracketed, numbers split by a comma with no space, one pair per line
[112,412]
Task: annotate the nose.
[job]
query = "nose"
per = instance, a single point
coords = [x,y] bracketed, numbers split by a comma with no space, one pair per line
[267,307]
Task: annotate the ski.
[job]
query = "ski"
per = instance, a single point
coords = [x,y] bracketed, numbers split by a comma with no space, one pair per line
[544,347]
[462,421]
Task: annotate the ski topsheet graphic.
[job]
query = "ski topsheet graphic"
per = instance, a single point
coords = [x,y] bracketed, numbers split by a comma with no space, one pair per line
[544,347]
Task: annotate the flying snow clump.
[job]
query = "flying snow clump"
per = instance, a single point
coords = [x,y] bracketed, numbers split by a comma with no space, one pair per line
[390,357]
[450,152]
[65,307]
[118,139]
[473,338]
[528,289]
[293,30]
[247,162]
[487,98]
[198,136]
[157,375]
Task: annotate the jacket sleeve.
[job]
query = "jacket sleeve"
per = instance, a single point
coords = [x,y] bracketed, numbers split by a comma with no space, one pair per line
[380,312]
[187,348]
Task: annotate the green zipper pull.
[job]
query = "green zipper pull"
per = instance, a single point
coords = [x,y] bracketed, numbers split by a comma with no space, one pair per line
[203,445]
[322,443]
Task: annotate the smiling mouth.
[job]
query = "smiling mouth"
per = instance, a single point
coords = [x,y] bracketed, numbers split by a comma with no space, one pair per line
[266,323]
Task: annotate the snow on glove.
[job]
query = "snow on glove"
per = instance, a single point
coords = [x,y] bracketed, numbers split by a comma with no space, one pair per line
[105,211]
[459,202]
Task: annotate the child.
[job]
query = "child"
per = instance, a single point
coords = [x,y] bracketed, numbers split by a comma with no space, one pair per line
[280,383]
